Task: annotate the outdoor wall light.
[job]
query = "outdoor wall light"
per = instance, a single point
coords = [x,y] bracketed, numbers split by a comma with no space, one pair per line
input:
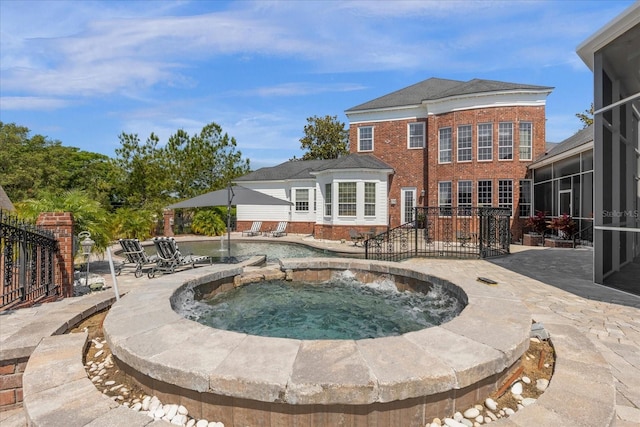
[423,192]
[87,244]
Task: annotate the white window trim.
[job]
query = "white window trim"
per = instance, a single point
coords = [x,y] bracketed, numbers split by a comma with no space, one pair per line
[478,204]
[440,150]
[478,143]
[424,137]
[458,145]
[512,147]
[520,143]
[375,199]
[302,200]
[499,203]
[372,139]
[530,204]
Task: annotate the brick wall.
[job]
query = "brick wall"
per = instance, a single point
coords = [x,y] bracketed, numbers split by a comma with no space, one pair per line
[410,165]
[61,225]
[168,216]
[11,383]
[419,168]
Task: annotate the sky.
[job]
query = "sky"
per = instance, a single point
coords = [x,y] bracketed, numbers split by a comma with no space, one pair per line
[83,72]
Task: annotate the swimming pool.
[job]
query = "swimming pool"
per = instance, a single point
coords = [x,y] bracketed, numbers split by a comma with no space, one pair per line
[244,250]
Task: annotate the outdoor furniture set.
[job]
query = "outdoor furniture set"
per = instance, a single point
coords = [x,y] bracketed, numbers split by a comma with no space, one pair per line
[256,230]
[167,260]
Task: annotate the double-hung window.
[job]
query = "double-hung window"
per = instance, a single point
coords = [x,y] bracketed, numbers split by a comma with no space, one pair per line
[445,145]
[416,135]
[485,141]
[465,152]
[365,138]
[505,141]
[327,199]
[369,199]
[465,200]
[302,200]
[505,193]
[485,192]
[347,198]
[524,201]
[444,197]
[526,138]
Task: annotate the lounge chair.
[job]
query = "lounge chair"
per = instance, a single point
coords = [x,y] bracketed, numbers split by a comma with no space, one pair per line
[355,237]
[170,258]
[134,253]
[281,229]
[254,230]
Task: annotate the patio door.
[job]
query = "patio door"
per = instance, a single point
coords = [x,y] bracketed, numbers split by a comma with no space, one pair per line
[564,202]
[408,202]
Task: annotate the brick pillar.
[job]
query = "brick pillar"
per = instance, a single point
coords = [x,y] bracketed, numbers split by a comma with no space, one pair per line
[168,216]
[61,225]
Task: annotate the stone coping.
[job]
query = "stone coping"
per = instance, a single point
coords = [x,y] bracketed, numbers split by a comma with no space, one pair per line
[581,391]
[58,391]
[488,337]
[24,328]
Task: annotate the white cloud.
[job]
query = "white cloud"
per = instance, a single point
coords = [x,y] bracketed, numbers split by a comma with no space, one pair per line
[93,49]
[31,103]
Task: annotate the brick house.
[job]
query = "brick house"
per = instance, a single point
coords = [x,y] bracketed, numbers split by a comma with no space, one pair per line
[454,143]
[435,143]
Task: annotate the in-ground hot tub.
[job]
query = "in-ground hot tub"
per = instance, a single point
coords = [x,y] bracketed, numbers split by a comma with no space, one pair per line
[243,379]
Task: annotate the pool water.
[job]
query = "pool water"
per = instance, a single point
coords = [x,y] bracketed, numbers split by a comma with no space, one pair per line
[244,250]
[342,308]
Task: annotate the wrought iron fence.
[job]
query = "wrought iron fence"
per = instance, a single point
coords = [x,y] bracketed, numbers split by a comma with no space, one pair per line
[26,262]
[445,232]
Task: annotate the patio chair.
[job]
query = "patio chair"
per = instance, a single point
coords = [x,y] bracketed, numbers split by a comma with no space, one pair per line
[355,237]
[254,230]
[170,258]
[134,253]
[281,229]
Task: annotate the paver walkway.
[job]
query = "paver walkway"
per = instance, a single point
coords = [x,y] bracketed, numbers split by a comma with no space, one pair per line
[556,286]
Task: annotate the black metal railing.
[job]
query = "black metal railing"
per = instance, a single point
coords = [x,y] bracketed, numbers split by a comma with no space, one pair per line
[584,237]
[445,232]
[27,256]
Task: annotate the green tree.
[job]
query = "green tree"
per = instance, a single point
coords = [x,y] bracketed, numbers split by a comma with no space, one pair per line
[324,138]
[142,178]
[129,223]
[33,164]
[586,117]
[202,162]
[88,214]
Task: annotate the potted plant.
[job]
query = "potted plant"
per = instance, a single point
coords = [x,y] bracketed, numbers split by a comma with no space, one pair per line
[537,225]
[565,228]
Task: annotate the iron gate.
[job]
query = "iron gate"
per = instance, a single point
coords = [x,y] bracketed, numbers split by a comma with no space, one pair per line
[445,232]
[26,262]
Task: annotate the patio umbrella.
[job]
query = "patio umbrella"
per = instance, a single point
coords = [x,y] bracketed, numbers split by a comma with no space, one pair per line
[232,195]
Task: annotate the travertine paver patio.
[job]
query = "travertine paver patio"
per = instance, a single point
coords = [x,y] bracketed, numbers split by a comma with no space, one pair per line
[554,284]
[610,318]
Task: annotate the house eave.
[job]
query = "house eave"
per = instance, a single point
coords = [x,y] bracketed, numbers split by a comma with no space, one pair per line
[614,29]
[561,156]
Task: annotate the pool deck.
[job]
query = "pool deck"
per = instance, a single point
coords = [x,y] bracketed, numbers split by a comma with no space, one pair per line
[554,284]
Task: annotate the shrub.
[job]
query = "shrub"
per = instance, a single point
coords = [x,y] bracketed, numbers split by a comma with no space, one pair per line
[565,226]
[537,223]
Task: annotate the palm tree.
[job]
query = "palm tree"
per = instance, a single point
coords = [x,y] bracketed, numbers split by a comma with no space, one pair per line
[88,213]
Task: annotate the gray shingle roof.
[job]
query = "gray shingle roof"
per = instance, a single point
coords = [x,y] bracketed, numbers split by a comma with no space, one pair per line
[5,203]
[434,88]
[580,138]
[302,169]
